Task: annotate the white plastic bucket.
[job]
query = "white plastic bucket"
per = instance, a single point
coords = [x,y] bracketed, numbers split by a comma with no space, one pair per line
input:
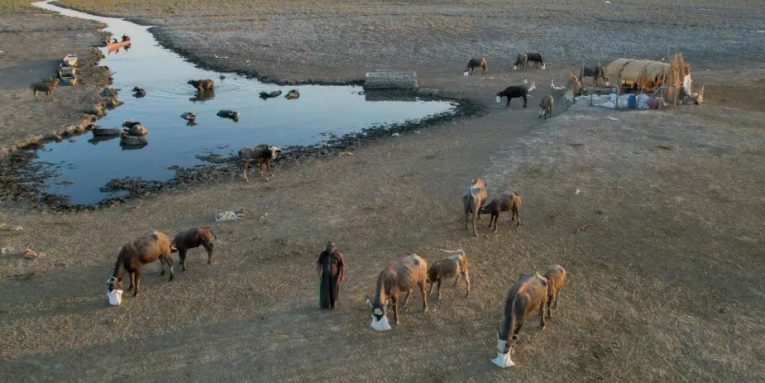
[380,325]
[503,360]
[499,100]
[465,73]
[115,297]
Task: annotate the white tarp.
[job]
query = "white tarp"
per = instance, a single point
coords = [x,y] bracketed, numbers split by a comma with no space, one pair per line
[609,100]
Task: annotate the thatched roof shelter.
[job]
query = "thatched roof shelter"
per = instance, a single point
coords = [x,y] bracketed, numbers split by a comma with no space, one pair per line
[646,74]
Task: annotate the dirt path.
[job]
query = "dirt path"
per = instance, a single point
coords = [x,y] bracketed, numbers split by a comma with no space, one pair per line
[657,216]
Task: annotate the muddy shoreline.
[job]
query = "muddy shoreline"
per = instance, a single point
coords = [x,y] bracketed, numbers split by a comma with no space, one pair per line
[223,169]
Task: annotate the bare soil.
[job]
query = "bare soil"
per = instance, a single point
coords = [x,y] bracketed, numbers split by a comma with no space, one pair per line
[658,216]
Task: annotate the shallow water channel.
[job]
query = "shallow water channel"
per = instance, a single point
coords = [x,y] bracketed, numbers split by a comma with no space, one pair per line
[81,166]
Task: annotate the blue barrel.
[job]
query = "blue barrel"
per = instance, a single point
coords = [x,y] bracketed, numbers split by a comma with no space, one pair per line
[632,102]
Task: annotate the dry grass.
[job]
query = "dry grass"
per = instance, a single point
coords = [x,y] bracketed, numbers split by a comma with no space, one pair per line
[664,282]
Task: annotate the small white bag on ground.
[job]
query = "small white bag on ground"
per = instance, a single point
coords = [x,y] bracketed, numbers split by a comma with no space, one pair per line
[499,100]
[465,73]
[380,325]
[115,297]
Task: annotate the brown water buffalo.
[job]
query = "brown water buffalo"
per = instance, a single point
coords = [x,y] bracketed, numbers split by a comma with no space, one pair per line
[49,87]
[145,249]
[507,201]
[262,155]
[400,276]
[473,200]
[528,294]
[556,279]
[191,239]
[546,106]
[203,86]
[456,266]
[477,63]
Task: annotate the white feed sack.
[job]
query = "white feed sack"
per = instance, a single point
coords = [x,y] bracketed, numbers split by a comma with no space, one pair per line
[465,73]
[499,100]
[502,360]
[115,297]
[380,325]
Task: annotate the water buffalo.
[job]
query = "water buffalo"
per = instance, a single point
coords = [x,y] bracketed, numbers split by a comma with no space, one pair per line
[507,201]
[522,61]
[536,58]
[49,87]
[556,279]
[456,266]
[528,294]
[203,86]
[546,107]
[230,114]
[145,249]
[262,155]
[193,238]
[190,117]
[272,94]
[515,91]
[477,63]
[594,71]
[473,200]
[398,277]
[292,94]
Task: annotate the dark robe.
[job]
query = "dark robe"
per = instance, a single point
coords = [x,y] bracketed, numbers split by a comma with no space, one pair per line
[332,267]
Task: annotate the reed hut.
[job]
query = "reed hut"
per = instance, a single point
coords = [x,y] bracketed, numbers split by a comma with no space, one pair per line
[642,74]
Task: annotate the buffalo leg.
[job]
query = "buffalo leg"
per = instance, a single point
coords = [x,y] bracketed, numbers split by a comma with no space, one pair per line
[475,219]
[406,299]
[467,214]
[555,305]
[438,291]
[467,281]
[137,285]
[395,309]
[182,258]
[508,102]
[244,171]
[132,281]
[524,101]
[169,261]
[421,285]
[516,216]
[549,308]
[542,316]
[430,288]
[209,247]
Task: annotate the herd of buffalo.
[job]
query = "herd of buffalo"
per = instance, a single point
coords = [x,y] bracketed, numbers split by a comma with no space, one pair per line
[532,291]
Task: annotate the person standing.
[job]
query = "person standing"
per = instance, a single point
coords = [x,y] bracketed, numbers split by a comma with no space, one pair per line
[330,266]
